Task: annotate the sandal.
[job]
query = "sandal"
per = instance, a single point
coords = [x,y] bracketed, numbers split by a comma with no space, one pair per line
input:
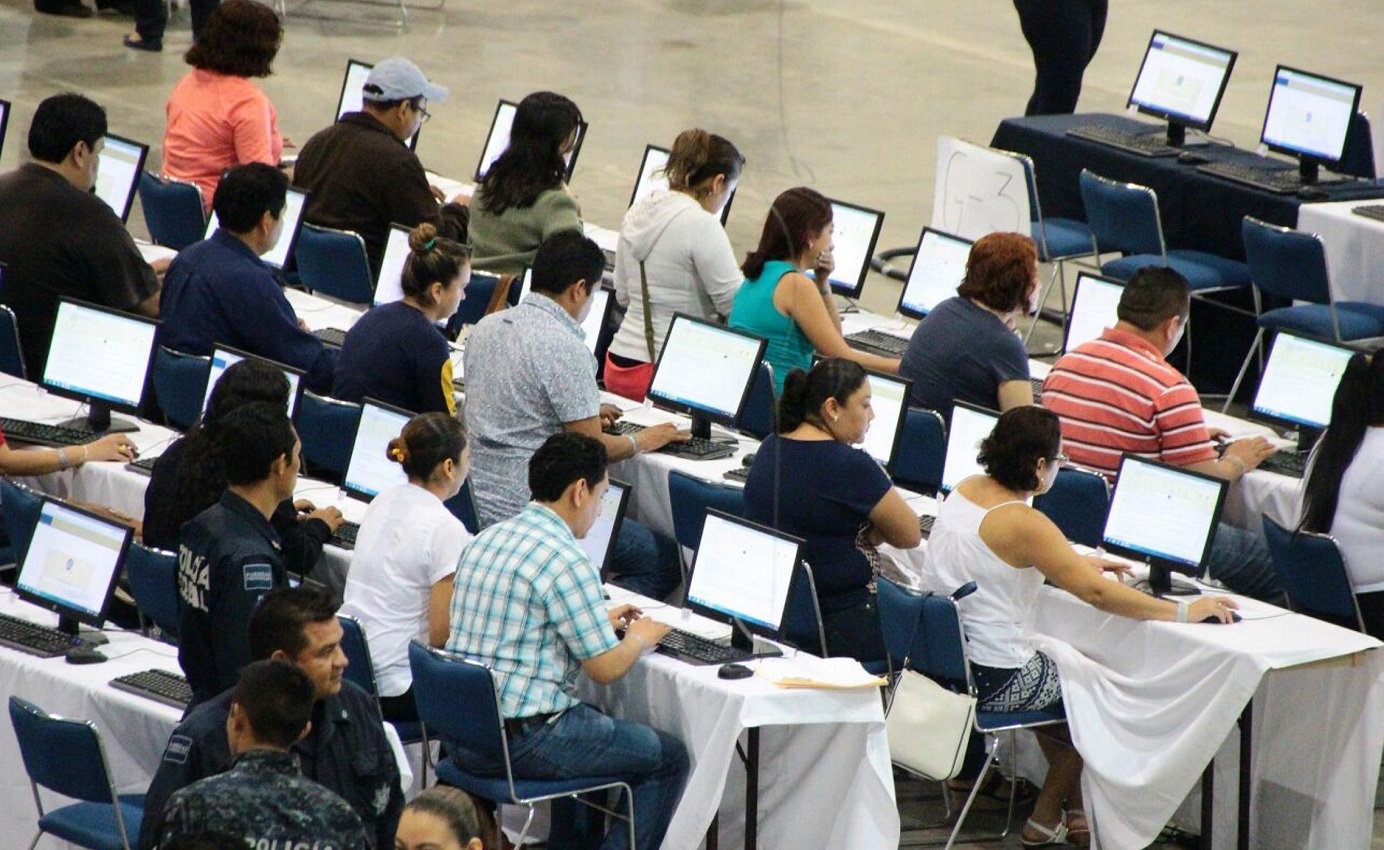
[1055,837]
[996,790]
[1078,828]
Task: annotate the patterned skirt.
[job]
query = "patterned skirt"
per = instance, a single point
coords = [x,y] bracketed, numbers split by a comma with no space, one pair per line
[1032,687]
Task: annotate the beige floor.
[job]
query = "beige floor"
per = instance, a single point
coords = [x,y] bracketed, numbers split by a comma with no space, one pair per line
[847,96]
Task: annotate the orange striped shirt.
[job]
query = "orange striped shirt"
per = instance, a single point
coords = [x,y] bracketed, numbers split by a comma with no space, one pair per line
[1117,394]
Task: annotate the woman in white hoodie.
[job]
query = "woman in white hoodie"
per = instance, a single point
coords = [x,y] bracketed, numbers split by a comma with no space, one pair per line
[674,257]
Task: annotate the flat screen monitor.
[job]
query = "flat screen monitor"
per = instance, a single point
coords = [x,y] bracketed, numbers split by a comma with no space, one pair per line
[595,320]
[855,230]
[889,399]
[527,286]
[1299,384]
[351,98]
[969,425]
[1181,81]
[4,122]
[117,174]
[100,356]
[705,370]
[1309,117]
[1165,516]
[743,572]
[597,542]
[223,356]
[72,563]
[939,264]
[1093,310]
[277,256]
[498,140]
[389,285]
[652,178]
[370,472]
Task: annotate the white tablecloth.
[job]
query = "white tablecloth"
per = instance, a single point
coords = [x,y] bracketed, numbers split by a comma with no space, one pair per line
[1354,248]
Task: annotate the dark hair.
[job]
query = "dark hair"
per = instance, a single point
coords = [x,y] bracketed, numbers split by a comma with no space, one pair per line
[277,699]
[804,393]
[532,164]
[1000,271]
[794,218]
[563,458]
[431,259]
[427,440]
[239,39]
[697,157]
[1358,404]
[565,258]
[1022,437]
[246,192]
[250,439]
[204,841]
[60,122]
[1153,295]
[279,623]
[452,806]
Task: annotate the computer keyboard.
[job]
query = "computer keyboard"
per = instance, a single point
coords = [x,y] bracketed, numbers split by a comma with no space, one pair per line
[144,465]
[877,341]
[1277,180]
[609,260]
[331,336]
[345,535]
[925,524]
[1135,142]
[41,434]
[740,473]
[43,641]
[1037,384]
[1374,211]
[1291,464]
[157,685]
[696,448]
[695,649]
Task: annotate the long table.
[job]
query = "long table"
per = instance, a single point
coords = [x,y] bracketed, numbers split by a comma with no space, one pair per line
[1354,249]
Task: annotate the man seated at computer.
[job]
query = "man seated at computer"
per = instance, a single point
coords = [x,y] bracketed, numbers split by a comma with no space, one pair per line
[360,174]
[218,291]
[1119,394]
[57,238]
[529,375]
[346,749]
[528,602]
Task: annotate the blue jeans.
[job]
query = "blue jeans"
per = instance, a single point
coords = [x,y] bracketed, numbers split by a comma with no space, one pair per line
[644,562]
[1239,559]
[585,742]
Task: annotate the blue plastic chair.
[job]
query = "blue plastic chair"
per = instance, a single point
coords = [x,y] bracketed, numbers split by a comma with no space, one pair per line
[180,383]
[173,210]
[463,507]
[327,427]
[1357,159]
[1078,503]
[922,451]
[360,669]
[760,417]
[11,352]
[67,757]
[21,507]
[334,263]
[153,577]
[472,308]
[689,498]
[900,614]
[457,699]
[1313,574]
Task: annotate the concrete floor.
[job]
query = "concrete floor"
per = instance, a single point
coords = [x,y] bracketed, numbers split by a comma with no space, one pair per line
[848,97]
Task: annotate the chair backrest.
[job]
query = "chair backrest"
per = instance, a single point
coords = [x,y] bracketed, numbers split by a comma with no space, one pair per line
[327,427]
[690,497]
[900,615]
[60,754]
[761,408]
[153,576]
[922,451]
[939,648]
[1078,503]
[11,352]
[359,668]
[1358,159]
[334,263]
[1377,145]
[173,210]
[180,382]
[21,507]
[479,293]
[1286,262]
[463,507]
[457,699]
[1123,217]
[1313,574]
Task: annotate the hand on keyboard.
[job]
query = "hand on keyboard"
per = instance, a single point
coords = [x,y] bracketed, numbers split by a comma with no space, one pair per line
[1251,451]
[655,437]
[116,447]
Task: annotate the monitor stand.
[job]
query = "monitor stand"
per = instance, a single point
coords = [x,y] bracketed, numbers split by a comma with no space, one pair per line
[1177,134]
[1308,171]
[1162,584]
[98,419]
[742,638]
[90,637]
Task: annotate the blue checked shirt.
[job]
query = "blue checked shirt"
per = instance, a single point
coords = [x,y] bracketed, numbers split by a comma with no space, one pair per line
[528,602]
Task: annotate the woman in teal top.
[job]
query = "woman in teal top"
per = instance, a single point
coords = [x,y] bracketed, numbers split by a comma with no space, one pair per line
[778,302]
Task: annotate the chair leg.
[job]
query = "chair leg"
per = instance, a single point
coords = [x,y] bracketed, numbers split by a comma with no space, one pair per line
[523,833]
[37,836]
[1244,367]
[992,760]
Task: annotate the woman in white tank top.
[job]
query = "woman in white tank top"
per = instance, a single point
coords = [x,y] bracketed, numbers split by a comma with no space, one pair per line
[987,532]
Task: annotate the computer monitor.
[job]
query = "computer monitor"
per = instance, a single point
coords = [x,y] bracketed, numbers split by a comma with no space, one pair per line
[599,539]
[889,399]
[223,356]
[1309,117]
[1094,304]
[100,356]
[4,122]
[969,425]
[526,286]
[351,98]
[705,370]
[939,264]
[389,286]
[71,564]
[743,574]
[117,175]
[277,256]
[855,230]
[601,299]
[370,472]
[1299,384]
[1165,516]
[498,140]
[652,178]
[1181,81]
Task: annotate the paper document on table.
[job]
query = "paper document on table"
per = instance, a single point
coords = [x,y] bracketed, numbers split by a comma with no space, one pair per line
[809,671]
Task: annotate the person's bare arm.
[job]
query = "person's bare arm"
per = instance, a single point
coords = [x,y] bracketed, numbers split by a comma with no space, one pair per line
[801,300]
[439,611]
[1240,457]
[150,306]
[892,521]
[1015,394]
[640,633]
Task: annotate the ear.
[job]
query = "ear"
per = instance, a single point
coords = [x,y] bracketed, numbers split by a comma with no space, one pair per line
[578,492]
[307,730]
[280,655]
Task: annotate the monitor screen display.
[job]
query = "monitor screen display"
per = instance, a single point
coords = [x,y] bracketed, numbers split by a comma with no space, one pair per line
[389,285]
[527,286]
[370,472]
[596,543]
[223,356]
[99,354]
[1309,115]
[1182,80]
[117,174]
[889,399]
[596,316]
[293,213]
[1093,309]
[939,264]
[4,122]
[1299,381]
[742,571]
[705,369]
[969,425]
[854,233]
[72,562]
[652,178]
[1163,512]
[351,99]
[498,141]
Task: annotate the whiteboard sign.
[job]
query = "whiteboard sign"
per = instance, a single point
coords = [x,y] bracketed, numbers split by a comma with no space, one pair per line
[978,191]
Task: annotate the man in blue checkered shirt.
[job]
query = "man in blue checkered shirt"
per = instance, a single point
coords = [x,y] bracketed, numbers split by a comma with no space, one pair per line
[528,602]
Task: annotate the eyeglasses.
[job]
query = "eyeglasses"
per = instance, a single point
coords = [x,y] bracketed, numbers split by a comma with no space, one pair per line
[1060,459]
[423,111]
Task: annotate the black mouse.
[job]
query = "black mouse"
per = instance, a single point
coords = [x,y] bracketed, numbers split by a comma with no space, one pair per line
[747,460]
[734,671]
[1312,193]
[84,655]
[1234,618]
[1192,158]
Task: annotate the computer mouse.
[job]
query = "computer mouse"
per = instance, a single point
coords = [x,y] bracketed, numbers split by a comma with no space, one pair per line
[1234,618]
[748,460]
[734,671]
[1312,193]
[1192,158]
[84,655]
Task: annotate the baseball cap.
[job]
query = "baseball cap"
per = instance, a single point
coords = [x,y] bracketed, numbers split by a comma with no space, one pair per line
[399,79]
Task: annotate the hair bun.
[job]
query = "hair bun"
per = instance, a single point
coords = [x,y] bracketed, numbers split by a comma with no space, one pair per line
[422,238]
[397,450]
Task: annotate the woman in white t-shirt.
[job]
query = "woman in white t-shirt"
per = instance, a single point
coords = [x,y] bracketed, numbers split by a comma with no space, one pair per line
[400,583]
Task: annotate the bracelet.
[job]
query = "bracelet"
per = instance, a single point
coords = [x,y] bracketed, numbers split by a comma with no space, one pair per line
[634,445]
[85,454]
[1182,609]
[62,459]
[1238,463]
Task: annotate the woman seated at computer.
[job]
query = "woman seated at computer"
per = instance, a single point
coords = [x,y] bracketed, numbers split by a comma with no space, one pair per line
[400,583]
[218,117]
[396,352]
[523,198]
[27,462]
[987,532]
[966,348]
[674,257]
[779,302]
[808,481]
[187,478]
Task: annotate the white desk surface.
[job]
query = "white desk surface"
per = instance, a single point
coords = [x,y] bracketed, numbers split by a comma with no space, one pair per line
[1354,248]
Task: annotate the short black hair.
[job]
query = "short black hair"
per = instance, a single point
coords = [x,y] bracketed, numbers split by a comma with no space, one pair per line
[279,623]
[60,122]
[248,440]
[804,393]
[565,258]
[246,193]
[277,699]
[563,458]
[1153,295]
[1022,437]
